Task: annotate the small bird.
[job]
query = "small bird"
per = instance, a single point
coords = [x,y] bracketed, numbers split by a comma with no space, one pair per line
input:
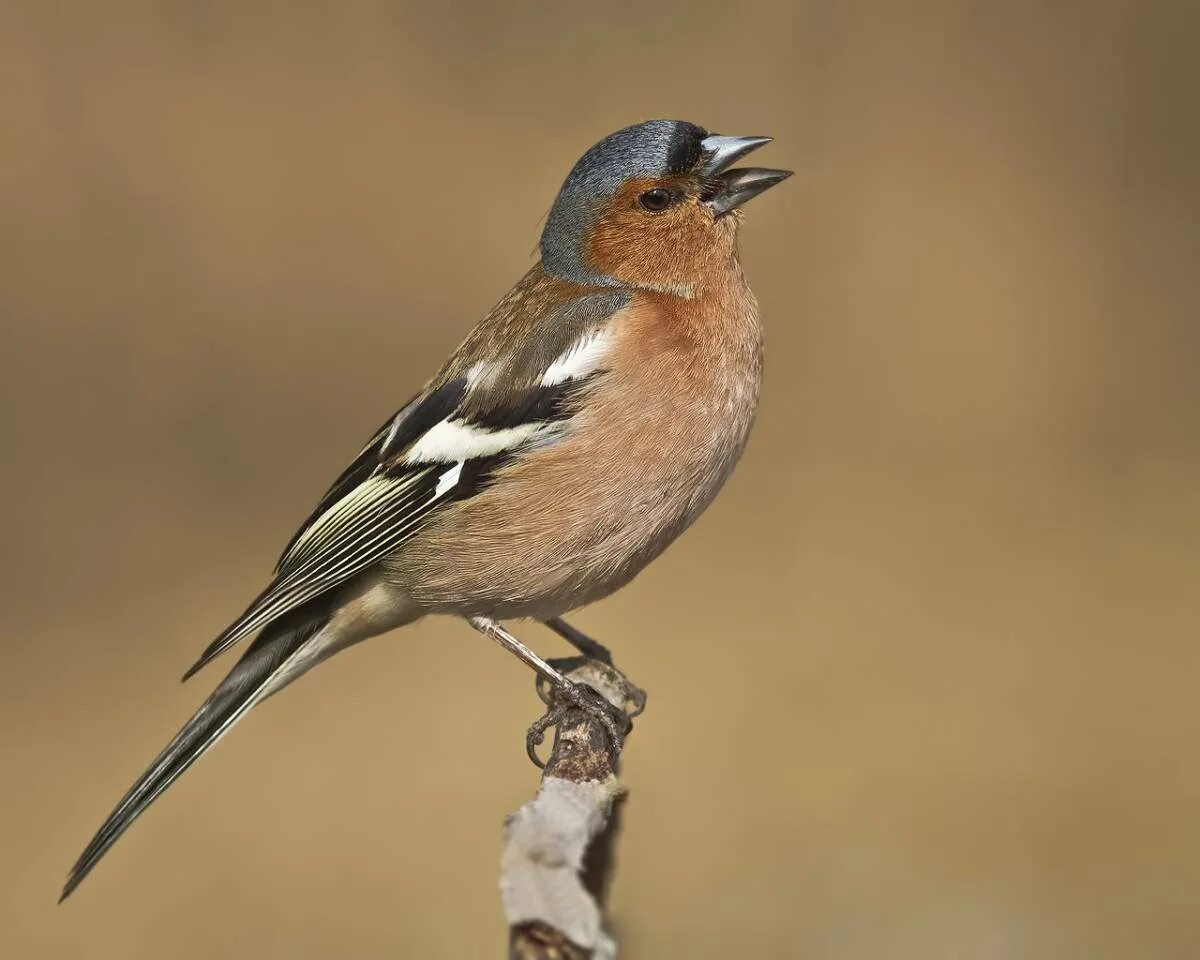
[576,432]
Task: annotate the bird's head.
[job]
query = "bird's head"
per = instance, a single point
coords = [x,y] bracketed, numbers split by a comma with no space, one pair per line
[654,206]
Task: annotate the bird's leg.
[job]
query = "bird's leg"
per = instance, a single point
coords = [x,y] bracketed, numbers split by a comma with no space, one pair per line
[514,646]
[594,650]
[580,640]
[566,693]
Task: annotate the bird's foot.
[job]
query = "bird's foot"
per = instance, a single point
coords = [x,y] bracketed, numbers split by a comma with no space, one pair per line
[562,698]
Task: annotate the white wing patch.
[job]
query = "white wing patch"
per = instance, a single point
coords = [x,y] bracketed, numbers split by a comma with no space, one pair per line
[453,440]
[581,358]
[448,480]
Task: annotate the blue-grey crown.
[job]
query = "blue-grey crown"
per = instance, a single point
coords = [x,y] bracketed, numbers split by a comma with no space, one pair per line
[652,149]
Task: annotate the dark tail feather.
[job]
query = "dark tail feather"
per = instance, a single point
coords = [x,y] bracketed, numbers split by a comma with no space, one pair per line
[245,683]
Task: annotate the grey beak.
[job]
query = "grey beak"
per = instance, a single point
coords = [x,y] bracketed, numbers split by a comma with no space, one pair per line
[738,186]
[721,153]
[729,189]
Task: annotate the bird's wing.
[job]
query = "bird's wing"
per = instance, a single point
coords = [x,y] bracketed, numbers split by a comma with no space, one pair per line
[487,406]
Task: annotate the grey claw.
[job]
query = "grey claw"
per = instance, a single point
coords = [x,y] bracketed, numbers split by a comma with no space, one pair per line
[537,732]
[637,697]
[582,697]
[595,705]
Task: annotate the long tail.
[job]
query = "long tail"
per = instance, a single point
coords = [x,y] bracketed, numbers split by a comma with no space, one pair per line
[268,657]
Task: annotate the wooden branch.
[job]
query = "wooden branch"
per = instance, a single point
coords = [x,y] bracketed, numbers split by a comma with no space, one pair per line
[558,848]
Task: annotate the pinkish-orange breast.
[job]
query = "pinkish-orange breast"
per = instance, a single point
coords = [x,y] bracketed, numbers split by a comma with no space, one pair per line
[654,442]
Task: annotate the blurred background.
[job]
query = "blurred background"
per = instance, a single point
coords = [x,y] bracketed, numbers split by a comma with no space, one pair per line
[923,681]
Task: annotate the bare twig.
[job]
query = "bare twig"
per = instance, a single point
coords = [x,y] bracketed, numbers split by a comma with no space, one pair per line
[558,847]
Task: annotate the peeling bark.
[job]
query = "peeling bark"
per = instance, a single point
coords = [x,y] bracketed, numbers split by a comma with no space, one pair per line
[557,861]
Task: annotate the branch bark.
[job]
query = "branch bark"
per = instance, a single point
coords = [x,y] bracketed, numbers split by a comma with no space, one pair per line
[558,855]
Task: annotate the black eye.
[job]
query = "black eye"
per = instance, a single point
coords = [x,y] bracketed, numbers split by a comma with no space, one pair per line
[656,200]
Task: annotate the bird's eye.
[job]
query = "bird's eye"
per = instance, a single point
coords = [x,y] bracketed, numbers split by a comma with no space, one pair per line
[656,200]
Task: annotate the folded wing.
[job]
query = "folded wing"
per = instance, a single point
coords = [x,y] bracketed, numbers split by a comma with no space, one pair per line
[443,446]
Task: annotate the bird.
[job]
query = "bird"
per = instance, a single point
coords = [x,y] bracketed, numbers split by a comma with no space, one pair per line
[576,432]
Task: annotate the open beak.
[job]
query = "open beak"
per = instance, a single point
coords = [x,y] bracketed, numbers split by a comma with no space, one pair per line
[728,189]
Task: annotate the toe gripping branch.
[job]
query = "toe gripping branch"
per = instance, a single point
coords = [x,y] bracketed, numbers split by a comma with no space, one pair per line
[592,711]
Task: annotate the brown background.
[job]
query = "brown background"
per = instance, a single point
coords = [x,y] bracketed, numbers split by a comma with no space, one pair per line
[922,682]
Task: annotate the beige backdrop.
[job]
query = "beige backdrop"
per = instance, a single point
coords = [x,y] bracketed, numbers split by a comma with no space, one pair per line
[922,682]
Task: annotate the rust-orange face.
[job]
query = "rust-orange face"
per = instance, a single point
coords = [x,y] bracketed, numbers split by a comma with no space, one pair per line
[654,206]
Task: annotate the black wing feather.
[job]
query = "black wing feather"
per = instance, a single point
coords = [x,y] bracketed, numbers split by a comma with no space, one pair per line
[365,529]
[397,432]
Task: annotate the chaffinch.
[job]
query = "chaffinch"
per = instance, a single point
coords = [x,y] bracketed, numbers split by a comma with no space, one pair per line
[576,432]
